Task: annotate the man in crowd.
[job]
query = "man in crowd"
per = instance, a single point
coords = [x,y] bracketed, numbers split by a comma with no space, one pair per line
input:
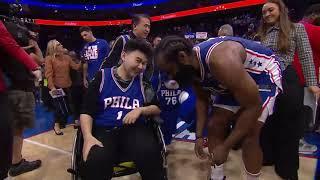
[313,31]
[141,24]
[9,49]
[94,52]
[225,30]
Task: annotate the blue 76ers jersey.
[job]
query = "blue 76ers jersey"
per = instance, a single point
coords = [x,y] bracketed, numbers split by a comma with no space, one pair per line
[261,64]
[115,102]
[168,92]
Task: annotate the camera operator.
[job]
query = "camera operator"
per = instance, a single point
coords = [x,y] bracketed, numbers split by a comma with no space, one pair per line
[9,51]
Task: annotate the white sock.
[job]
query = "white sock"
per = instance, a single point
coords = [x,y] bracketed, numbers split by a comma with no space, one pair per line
[217,172]
[251,176]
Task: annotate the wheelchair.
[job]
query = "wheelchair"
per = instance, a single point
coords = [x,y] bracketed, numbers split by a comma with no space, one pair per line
[124,166]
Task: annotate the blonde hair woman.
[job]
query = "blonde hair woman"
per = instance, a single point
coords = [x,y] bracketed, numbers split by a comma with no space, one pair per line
[57,71]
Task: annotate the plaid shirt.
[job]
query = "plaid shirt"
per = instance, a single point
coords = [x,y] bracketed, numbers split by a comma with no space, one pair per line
[299,43]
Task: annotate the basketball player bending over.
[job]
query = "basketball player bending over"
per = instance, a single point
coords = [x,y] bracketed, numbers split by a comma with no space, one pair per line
[113,121]
[246,76]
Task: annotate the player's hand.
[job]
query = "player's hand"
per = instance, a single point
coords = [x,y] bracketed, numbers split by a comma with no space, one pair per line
[132,116]
[85,83]
[198,149]
[219,155]
[87,145]
[37,74]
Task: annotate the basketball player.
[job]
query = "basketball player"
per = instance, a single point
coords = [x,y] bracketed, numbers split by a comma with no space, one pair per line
[93,52]
[246,77]
[113,120]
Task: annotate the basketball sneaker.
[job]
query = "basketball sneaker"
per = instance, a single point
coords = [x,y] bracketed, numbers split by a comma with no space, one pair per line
[306,148]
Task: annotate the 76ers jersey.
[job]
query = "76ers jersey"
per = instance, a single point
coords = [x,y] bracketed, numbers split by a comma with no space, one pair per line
[168,92]
[260,63]
[116,102]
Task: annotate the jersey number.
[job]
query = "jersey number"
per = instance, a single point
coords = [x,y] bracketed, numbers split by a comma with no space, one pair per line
[119,115]
[173,100]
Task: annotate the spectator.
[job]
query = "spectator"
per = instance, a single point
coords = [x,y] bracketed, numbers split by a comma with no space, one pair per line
[156,41]
[22,108]
[314,37]
[225,30]
[93,53]
[282,131]
[121,130]
[57,71]
[140,30]
[9,49]
[76,89]
[250,34]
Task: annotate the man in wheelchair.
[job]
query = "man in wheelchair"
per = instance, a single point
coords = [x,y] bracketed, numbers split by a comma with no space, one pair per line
[114,118]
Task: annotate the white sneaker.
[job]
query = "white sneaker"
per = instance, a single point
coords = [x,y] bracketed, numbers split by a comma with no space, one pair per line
[306,148]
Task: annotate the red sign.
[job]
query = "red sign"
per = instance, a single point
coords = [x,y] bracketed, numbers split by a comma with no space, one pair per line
[222,7]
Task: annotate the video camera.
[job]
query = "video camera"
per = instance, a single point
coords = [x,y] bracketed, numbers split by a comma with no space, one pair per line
[19,28]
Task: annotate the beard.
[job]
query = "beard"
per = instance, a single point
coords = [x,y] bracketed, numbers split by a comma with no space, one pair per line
[185,75]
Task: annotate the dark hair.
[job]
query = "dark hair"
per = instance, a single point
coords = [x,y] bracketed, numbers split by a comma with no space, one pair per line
[85,28]
[140,45]
[137,17]
[313,9]
[171,45]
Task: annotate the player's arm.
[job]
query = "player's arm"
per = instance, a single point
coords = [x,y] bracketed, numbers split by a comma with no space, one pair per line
[227,62]
[202,102]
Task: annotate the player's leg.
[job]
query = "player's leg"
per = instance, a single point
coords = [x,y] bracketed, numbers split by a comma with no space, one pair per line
[251,149]
[252,153]
[217,126]
[224,109]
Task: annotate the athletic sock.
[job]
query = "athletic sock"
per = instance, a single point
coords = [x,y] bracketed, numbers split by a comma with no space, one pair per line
[217,172]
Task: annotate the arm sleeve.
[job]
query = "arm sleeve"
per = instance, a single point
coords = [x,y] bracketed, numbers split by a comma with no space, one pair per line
[107,49]
[74,65]
[90,104]
[9,45]
[49,72]
[316,37]
[151,98]
[114,54]
[305,55]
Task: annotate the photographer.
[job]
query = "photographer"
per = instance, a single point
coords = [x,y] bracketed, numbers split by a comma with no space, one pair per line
[10,51]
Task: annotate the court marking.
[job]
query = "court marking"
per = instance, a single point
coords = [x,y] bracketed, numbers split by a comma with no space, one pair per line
[48,147]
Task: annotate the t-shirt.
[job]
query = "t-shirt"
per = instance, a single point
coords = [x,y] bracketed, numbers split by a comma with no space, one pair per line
[94,53]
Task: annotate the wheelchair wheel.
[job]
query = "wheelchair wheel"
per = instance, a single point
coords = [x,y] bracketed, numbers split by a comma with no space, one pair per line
[76,156]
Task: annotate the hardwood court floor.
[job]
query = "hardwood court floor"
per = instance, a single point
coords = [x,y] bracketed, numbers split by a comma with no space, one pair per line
[55,153]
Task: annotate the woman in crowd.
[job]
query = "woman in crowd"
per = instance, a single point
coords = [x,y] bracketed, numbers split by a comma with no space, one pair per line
[280,138]
[57,71]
